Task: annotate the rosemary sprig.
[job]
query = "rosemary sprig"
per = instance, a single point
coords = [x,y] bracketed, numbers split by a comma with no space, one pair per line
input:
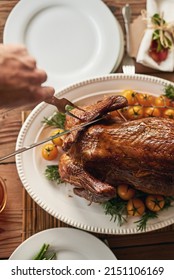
[169,91]
[116,208]
[57,120]
[52,174]
[142,223]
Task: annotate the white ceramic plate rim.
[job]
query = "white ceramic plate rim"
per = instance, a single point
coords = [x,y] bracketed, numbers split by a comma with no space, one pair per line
[90,218]
[102,22]
[69,240]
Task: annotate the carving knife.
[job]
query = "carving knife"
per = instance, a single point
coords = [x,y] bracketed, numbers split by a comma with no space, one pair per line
[31,146]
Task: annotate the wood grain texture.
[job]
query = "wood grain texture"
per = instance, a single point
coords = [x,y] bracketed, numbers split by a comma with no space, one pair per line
[22,217]
[10,125]
[158,252]
[5,9]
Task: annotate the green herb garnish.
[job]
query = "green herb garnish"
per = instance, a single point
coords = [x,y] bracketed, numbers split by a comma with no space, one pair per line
[162,33]
[57,120]
[168,201]
[156,19]
[169,91]
[69,108]
[52,173]
[141,224]
[43,253]
[148,215]
[116,208]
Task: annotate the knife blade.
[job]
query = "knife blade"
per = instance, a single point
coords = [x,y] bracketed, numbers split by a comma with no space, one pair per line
[31,146]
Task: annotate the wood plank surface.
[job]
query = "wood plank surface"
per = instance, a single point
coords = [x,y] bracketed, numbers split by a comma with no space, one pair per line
[5,9]
[10,125]
[22,217]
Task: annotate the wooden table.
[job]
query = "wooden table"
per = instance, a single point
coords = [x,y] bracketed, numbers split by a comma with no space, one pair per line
[154,245]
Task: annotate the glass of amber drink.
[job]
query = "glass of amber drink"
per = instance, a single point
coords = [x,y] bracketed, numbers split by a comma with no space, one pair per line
[3,194]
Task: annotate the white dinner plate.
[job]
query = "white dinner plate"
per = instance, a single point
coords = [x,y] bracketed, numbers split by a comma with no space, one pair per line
[121,52]
[71,39]
[67,243]
[59,200]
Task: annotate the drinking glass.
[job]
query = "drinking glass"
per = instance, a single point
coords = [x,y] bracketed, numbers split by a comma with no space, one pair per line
[3,194]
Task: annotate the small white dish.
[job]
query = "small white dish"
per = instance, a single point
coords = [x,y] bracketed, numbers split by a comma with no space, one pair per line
[71,40]
[67,243]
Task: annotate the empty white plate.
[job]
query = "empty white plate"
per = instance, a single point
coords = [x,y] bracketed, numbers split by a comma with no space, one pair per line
[71,39]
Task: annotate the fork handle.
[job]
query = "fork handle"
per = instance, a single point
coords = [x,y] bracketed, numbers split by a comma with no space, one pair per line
[126,12]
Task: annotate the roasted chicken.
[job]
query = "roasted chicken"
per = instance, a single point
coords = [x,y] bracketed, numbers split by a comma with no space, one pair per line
[114,151]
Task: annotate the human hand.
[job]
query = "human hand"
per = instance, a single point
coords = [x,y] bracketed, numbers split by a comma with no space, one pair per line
[20,79]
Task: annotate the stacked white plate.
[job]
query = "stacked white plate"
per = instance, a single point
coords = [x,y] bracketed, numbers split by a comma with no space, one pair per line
[71,39]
